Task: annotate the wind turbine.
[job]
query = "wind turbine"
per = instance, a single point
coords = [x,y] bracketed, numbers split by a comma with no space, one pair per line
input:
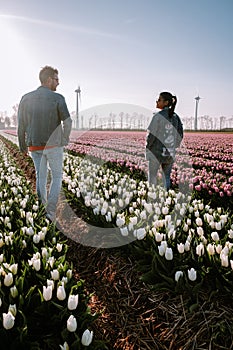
[196,108]
[78,92]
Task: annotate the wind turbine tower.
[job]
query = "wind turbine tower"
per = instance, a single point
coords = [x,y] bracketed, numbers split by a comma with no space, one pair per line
[196,108]
[78,92]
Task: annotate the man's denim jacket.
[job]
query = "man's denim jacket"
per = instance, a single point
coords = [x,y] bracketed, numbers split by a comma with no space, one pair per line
[43,119]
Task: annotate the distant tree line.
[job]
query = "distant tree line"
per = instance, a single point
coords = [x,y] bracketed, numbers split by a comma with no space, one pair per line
[133,121]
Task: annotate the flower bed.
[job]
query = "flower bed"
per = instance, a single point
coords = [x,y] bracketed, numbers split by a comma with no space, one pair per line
[42,304]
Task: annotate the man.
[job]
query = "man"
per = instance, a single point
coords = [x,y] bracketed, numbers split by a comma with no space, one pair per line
[44,126]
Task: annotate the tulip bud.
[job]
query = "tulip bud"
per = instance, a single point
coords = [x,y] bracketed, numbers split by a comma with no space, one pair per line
[14,292]
[200,250]
[180,248]
[192,274]
[59,247]
[168,254]
[218,225]
[36,263]
[65,346]
[47,292]
[69,273]
[14,268]
[71,324]
[12,309]
[178,274]
[210,249]
[36,238]
[124,231]
[215,236]
[55,275]
[8,279]
[61,293]
[219,248]
[187,246]
[72,302]
[140,233]
[199,221]
[224,260]
[87,337]
[8,320]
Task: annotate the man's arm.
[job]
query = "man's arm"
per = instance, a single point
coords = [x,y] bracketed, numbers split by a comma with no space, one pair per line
[21,131]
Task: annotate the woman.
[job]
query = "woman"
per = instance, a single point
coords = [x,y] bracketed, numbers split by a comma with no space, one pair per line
[165,134]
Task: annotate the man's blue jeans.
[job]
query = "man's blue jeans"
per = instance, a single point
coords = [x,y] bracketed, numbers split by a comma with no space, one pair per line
[51,158]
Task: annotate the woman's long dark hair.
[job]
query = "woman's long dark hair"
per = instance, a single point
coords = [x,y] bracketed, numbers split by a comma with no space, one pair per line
[172,100]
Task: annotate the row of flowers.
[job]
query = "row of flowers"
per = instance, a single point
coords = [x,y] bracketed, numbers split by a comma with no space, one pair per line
[206,157]
[41,302]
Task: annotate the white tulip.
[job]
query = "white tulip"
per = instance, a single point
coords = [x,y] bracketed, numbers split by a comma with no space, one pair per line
[73,302]
[14,292]
[224,260]
[200,231]
[36,263]
[180,248]
[12,309]
[120,221]
[8,279]
[133,220]
[148,207]
[159,237]
[169,254]
[36,238]
[230,233]
[187,246]
[210,249]
[218,225]
[87,337]
[215,236]
[8,320]
[65,346]
[71,324]
[69,273]
[55,275]
[192,274]
[143,215]
[47,292]
[199,221]
[162,248]
[59,247]
[165,210]
[14,268]
[200,250]
[124,231]
[50,283]
[141,233]
[218,248]
[178,274]
[61,293]
[189,222]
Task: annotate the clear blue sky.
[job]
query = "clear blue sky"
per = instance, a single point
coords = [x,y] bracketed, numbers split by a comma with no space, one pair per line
[124,51]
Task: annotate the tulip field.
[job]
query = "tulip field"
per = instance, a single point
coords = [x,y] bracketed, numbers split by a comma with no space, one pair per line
[181,240]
